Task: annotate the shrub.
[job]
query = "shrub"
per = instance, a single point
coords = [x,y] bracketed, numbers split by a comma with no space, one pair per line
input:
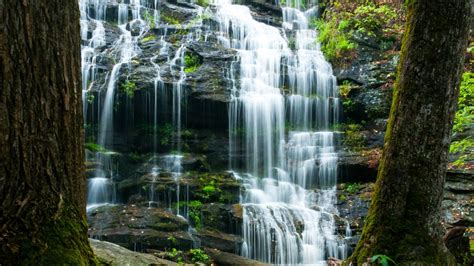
[464,118]
[195,212]
[191,63]
[334,38]
[353,138]
[198,255]
[129,88]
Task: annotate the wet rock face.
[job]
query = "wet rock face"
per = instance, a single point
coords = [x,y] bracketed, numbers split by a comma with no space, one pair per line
[138,228]
[141,227]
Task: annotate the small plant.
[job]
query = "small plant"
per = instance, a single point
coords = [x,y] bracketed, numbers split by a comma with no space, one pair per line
[172,240]
[149,18]
[195,212]
[90,98]
[198,255]
[292,43]
[353,138]
[134,157]
[176,255]
[94,147]
[345,88]
[165,133]
[203,3]
[191,63]
[353,188]
[342,197]
[382,260]
[129,88]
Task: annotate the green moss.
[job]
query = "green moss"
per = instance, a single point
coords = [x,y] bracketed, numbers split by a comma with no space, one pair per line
[63,241]
[149,38]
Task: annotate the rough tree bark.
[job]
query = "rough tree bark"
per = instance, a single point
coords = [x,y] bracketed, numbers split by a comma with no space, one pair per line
[404,217]
[42,180]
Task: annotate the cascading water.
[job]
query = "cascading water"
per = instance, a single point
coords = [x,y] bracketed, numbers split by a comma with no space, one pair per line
[100,188]
[290,155]
[290,187]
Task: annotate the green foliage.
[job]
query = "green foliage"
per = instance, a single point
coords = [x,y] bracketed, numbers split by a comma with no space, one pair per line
[343,19]
[292,43]
[334,38]
[198,255]
[129,88]
[345,88]
[342,197]
[210,191]
[165,133]
[382,260]
[195,207]
[191,63]
[135,157]
[90,98]
[295,3]
[187,134]
[176,255]
[172,240]
[371,19]
[465,150]
[170,20]
[203,3]
[353,137]
[353,188]
[464,121]
[464,118]
[149,18]
[94,147]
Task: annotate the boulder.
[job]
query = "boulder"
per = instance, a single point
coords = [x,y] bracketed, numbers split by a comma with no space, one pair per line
[228,259]
[112,254]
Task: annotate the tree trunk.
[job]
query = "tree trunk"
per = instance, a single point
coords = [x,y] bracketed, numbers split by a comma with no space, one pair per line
[42,180]
[404,217]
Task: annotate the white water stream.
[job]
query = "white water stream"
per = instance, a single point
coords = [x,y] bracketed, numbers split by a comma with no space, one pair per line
[290,179]
[290,166]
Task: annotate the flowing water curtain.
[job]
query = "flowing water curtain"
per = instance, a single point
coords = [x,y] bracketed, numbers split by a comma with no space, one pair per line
[278,225]
[93,12]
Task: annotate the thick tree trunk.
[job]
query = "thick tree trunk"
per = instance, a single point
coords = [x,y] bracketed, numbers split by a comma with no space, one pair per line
[42,180]
[404,217]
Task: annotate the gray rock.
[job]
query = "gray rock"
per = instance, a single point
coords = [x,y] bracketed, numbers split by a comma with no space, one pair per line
[112,254]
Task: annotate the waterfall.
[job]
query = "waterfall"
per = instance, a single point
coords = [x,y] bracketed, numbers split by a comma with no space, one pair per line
[101,187]
[289,178]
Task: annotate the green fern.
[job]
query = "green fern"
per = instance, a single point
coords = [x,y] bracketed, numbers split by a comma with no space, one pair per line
[382,259]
